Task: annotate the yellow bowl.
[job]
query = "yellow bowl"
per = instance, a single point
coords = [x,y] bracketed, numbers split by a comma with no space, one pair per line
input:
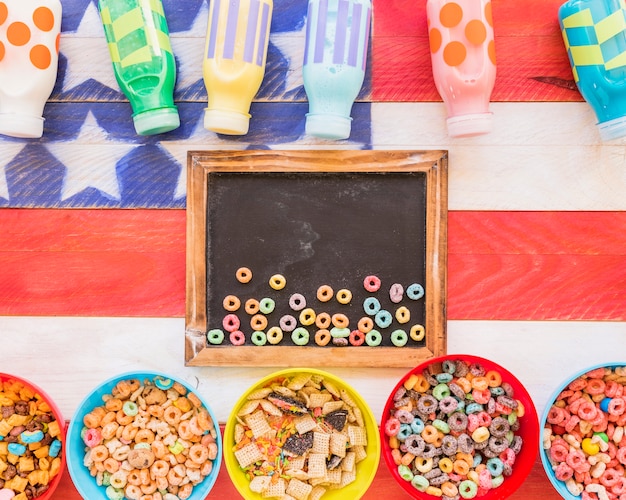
[365,469]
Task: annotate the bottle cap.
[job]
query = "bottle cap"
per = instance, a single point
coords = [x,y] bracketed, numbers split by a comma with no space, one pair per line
[328,126]
[224,121]
[23,126]
[156,121]
[469,125]
[613,129]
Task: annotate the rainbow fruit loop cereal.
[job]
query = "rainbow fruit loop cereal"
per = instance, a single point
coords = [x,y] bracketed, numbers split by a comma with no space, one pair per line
[583,435]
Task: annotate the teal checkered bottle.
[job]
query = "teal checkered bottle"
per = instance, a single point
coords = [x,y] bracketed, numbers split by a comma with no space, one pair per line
[594,32]
[143,62]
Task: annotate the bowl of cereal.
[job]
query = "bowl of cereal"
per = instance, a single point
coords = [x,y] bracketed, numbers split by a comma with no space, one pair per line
[301,432]
[583,445]
[459,425]
[143,432]
[32,440]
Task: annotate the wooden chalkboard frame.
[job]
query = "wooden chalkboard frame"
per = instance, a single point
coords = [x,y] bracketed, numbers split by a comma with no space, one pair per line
[201,164]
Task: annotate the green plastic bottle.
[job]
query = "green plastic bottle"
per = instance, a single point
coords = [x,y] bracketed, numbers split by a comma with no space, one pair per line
[143,61]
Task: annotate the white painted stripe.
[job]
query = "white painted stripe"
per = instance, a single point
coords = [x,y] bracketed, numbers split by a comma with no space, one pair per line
[530,161]
[67,357]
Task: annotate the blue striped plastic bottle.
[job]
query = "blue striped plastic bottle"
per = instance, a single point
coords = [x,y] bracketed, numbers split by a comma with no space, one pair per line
[335,57]
[594,32]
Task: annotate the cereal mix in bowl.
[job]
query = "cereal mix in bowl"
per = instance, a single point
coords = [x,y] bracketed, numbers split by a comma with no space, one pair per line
[583,445]
[31,441]
[144,436]
[459,426]
[304,434]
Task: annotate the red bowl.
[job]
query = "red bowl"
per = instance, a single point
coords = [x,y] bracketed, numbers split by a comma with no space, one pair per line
[528,430]
[54,482]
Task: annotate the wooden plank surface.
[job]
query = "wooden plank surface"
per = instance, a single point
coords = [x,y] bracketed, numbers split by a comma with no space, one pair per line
[502,265]
[536,221]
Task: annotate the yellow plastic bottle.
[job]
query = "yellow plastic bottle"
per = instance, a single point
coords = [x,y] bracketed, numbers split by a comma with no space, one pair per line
[234,62]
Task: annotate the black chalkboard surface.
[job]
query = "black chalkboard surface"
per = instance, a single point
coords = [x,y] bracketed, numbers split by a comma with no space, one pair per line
[316,218]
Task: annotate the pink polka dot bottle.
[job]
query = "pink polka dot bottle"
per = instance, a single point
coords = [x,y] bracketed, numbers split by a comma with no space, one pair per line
[463,59]
[29,55]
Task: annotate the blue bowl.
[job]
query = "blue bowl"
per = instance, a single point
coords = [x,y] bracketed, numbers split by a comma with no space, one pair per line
[558,485]
[75,447]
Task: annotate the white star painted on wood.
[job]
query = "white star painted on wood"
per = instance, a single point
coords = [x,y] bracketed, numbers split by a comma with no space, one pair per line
[90,161]
[200,139]
[8,151]
[87,53]
[188,47]
[291,45]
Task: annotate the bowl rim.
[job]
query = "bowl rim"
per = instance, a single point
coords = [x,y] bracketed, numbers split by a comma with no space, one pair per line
[56,480]
[231,464]
[75,466]
[530,447]
[558,485]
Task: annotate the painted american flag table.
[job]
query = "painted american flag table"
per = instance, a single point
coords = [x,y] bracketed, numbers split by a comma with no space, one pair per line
[92,251]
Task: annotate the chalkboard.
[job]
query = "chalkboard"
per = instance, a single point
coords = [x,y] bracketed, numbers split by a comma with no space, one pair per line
[315,218]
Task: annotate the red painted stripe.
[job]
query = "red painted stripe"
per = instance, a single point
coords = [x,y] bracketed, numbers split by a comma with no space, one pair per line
[92,262]
[502,265]
[532,61]
[536,487]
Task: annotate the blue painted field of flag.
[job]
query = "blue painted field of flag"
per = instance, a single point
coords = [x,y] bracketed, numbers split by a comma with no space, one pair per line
[90,155]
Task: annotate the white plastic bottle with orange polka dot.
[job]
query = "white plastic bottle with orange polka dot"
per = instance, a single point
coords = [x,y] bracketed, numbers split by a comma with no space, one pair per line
[29,55]
[463,59]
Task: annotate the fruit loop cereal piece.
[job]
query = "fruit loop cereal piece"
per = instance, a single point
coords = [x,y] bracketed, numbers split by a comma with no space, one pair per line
[417,333]
[243,275]
[371,306]
[231,303]
[324,293]
[403,315]
[288,323]
[278,282]
[322,337]
[340,320]
[373,338]
[297,302]
[307,316]
[237,338]
[396,292]
[231,322]
[356,338]
[365,324]
[251,306]
[383,318]
[258,338]
[258,322]
[399,338]
[415,291]
[444,439]
[215,336]
[371,283]
[323,320]
[274,335]
[300,336]
[293,446]
[266,305]
[584,434]
[30,442]
[161,448]
[344,296]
